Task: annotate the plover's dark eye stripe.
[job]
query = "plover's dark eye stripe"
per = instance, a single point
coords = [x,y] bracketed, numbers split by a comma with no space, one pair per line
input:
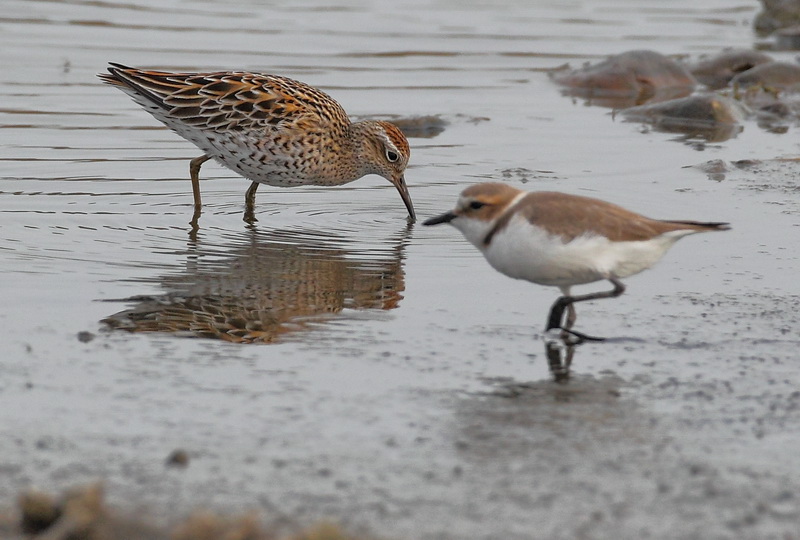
[477,205]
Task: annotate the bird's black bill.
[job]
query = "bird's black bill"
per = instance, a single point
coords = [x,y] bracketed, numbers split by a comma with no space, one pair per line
[406,196]
[447,217]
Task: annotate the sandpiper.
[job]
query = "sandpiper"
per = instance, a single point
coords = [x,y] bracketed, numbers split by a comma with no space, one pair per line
[270,129]
[563,240]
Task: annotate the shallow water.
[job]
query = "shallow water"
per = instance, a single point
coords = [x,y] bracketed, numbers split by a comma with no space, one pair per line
[405,388]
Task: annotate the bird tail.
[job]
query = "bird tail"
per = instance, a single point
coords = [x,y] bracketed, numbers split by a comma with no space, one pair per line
[701,226]
[138,83]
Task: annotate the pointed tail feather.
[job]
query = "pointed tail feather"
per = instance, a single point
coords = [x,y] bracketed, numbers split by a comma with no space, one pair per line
[704,225]
[120,75]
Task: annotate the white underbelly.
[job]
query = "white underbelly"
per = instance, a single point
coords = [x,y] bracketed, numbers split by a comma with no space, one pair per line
[243,155]
[529,253]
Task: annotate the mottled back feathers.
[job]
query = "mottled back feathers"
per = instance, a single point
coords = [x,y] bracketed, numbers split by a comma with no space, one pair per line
[235,100]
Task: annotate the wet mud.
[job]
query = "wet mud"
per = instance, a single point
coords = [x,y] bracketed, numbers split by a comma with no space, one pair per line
[332,363]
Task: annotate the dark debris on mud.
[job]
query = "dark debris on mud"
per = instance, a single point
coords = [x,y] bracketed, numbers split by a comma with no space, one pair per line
[82,514]
[772,175]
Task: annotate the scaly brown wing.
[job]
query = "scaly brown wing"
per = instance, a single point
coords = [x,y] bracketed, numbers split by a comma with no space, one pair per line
[232,100]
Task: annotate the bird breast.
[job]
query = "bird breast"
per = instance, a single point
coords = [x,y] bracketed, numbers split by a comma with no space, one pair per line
[525,251]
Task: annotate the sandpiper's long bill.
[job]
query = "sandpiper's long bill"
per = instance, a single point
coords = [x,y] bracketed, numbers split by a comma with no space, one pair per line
[563,240]
[270,129]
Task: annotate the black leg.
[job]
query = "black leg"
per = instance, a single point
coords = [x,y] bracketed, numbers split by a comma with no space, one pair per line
[557,312]
[564,302]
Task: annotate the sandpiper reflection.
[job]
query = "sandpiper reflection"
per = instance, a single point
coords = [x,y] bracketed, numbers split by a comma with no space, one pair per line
[267,284]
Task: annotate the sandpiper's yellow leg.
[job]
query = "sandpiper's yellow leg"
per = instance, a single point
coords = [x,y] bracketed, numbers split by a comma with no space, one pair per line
[250,203]
[194,171]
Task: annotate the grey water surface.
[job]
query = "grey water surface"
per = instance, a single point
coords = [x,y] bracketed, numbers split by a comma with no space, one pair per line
[369,371]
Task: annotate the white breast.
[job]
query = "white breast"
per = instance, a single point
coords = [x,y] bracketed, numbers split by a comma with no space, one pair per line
[524,251]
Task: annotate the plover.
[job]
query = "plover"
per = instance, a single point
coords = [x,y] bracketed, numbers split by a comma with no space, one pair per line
[563,240]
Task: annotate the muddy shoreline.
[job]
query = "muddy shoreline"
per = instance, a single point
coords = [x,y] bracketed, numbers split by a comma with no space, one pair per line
[394,383]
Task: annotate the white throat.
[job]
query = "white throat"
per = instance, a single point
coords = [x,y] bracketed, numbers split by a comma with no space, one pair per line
[475,230]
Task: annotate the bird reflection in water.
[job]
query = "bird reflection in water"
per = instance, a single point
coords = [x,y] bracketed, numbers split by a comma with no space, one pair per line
[268,284]
[560,352]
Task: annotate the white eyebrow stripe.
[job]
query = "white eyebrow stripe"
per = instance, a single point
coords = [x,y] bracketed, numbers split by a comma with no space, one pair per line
[388,141]
[514,202]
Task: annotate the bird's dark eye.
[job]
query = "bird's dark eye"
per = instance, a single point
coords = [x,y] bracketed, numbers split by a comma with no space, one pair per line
[477,205]
[392,156]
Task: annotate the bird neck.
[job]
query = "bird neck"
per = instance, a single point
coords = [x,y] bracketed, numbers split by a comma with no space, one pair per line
[364,147]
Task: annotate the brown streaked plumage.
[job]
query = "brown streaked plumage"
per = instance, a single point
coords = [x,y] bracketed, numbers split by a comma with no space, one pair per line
[270,129]
[563,240]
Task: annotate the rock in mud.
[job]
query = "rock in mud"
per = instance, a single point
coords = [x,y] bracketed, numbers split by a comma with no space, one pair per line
[717,71]
[423,127]
[628,79]
[708,116]
[776,14]
[779,76]
[788,39]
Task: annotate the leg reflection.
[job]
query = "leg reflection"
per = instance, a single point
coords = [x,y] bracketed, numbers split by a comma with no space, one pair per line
[559,354]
